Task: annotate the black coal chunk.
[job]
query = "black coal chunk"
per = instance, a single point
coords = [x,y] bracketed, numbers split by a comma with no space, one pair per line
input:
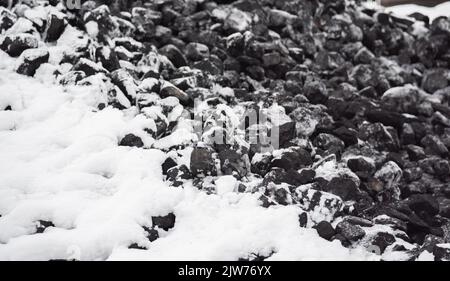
[131,140]
[164,222]
[325,230]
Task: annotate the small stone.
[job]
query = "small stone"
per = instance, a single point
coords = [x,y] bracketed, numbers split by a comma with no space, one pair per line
[423,205]
[271,59]
[164,222]
[14,45]
[361,167]
[345,188]
[303,219]
[169,90]
[42,225]
[196,51]
[88,67]
[325,230]
[132,141]
[108,58]
[349,231]
[30,60]
[434,80]
[56,23]
[174,55]
[382,240]
[293,159]
[167,165]
[434,145]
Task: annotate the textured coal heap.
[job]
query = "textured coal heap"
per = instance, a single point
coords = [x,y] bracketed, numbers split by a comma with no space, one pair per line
[364,97]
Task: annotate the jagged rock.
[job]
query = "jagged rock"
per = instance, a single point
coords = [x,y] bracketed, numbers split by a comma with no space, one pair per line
[434,145]
[30,60]
[14,45]
[202,162]
[169,90]
[42,225]
[164,222]
[174,55]
[196,51]
[345,188]
[108,58]
[88,67]
[295,158]
[349,231]
[382,240]
[362,167]
[56,23]
[385,181]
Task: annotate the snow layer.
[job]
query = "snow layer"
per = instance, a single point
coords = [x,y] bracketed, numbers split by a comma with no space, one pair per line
[61,162]
[432,12]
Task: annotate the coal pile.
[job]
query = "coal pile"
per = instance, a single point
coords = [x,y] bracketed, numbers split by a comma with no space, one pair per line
[359,98]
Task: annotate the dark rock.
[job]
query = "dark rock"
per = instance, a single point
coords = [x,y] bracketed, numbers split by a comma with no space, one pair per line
[42,225]
[235,44]
[7,19]
[303,219]
[167,165]
[108,58]
[56,23]
[296,158]
[379,136]
[31,60]
[364,56]
[196,51]
[434,145]
[71,78]
[423,205]
[256,72]
[132,141]
[125,82]
[420,17]
[415,153]
[315,91]
[177,175]
[261,163]
[344,188]
[382,240]
[385,181]
[152,234]
[434,80]
[349,231]
[207,66]
[349,136]
[174,55]
[169,90]
[328,144]
[233,162]
[88,67]
[287,133]
[361,167]
[358,221]
[325,230]
[441,252]
[14,45]
[271,59]
[164,222]
[202,162]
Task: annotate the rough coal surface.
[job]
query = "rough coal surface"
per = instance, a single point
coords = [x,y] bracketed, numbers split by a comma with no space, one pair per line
[360,99]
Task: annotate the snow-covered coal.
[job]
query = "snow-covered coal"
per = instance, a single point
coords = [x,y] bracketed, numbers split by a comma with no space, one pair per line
[357,99]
